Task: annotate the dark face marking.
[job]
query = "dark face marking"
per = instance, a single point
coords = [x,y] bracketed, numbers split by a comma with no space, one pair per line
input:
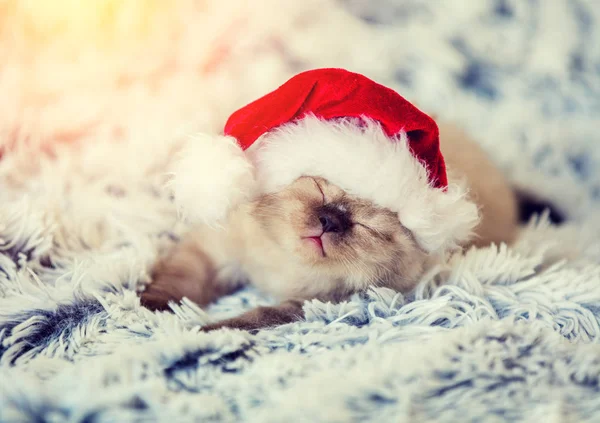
[361,240]
[334,218]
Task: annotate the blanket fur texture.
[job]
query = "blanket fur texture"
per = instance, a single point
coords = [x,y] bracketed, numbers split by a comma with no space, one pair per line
[98,95]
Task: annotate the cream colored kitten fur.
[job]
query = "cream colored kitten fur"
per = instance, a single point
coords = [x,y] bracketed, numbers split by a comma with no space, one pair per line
[488,187]
[313,240]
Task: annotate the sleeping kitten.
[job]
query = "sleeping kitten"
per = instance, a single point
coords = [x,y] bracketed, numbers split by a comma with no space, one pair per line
[313,240]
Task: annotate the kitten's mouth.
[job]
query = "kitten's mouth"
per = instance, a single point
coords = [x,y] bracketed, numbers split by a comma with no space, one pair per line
[317,242]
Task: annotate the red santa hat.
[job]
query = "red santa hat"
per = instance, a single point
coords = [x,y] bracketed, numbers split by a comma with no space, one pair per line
[357,134]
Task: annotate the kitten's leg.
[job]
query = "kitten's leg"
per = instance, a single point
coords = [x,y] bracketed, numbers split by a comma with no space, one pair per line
[186,272]
[262,317]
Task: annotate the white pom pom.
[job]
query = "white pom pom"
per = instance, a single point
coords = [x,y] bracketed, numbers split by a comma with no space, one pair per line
[211,175]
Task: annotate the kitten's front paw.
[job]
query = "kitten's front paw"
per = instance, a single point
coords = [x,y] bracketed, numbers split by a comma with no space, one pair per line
[154,298]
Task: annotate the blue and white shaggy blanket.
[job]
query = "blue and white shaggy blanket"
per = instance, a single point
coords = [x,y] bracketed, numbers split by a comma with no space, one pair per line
[497,334]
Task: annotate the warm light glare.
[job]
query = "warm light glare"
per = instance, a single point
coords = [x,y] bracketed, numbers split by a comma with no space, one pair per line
[76,23]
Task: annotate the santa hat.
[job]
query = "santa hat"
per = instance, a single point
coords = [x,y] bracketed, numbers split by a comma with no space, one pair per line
[357,134]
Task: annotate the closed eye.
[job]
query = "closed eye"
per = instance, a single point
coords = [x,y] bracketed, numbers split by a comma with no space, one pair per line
[370,229]
[375,232]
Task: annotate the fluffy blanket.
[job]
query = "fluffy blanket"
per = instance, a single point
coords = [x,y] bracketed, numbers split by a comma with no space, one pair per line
[96,96]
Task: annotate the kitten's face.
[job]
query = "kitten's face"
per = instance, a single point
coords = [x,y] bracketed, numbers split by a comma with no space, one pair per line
[343,237]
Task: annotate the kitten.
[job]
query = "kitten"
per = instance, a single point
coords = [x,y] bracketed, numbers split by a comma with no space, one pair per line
[312,240]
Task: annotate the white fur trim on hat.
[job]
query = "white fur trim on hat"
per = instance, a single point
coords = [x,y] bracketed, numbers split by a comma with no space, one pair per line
[365,162]
[210,176]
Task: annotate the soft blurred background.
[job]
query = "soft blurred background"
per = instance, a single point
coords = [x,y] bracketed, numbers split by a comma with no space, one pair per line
[521,76]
